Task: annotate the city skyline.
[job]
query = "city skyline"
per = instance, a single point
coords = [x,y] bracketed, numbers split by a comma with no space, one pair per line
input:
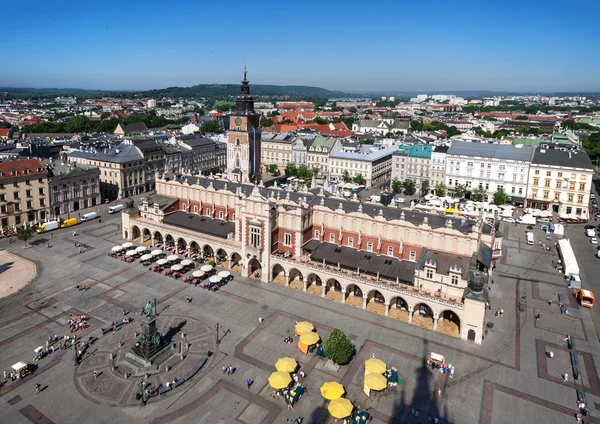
[531,47]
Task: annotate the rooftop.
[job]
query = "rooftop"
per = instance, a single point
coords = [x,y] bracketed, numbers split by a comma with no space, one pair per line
[562,158]
[22,168]
[496,151]
[367,157]
[202,224]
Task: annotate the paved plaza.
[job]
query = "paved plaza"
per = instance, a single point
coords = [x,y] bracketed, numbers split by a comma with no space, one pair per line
[507,379]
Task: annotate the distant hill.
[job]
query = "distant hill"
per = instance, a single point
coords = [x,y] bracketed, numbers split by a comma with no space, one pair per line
[213,91]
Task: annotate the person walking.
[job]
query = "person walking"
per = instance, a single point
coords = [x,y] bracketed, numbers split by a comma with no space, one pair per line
[38,386]
[248,383]
[224,369]
[95,374]
[565,377]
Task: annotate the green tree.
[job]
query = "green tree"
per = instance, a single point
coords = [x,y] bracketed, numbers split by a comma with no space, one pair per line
[24,233]
[78,124]
[338,347]
[424,187]
[479,194]
[591,143]
[460,191]
[211,126]
[346,177]
[319,120]
[409,187]
[500,197]
[416,125]
[440,189]
[291,170]
[396,186]
[273,168]
[266,122]
[359,179]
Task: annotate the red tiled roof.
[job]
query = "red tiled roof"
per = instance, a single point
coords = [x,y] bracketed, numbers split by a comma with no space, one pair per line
[4,132]
[21,168]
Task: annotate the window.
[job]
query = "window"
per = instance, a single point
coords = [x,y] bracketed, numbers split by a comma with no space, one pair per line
[548,173]
[546,194]
[2,197]
[570,197]
[547,183]
[455,279]
[254,236]
[317,234]
[41,191]
[557,196]
[412,256]
[559,184]
[560,175]
[18,219]
[350,242]
[581,186]
[29,204]
[537,172]
[332,238]
[572,185]
[16,195]
[582,177]
[579,198]
[42,202]
[370,246]
[429,274]
[390,251]
[512,190]
[220,214]
[207,212]
[287,239]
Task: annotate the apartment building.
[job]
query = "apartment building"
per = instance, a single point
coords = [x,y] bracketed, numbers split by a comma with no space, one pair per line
[73,187]
[375,166]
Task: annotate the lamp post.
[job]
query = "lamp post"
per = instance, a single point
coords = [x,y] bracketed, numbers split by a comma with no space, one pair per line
[217,328]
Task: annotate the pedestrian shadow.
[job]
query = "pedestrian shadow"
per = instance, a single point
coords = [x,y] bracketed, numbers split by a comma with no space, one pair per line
[44,388]
[36,242]
[6,266]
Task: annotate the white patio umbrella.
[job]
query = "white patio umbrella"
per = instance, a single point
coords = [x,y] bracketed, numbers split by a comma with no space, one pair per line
[176,268]
[117,249]
[127,245]
[131,253]
[214,279]
[141,248]
[206,268]
[162,262]
[186,262]
[224,274]
[156,252]
[172,258]
[146,257]
[197,274]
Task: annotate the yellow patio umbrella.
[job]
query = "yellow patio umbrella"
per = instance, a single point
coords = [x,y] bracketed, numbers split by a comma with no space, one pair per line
[340,408]
[332,390]
[375,365]
[304,327]
[286,365]
[309,338]
[375,381]
[280,380]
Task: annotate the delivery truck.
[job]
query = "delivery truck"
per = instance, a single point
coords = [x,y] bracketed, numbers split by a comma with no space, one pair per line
[89,216]
[47,226]
[69,222]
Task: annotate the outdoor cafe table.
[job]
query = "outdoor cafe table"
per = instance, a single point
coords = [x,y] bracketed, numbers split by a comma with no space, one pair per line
[157,252]
[186,262]
[176,268]
[214,279]
[197,274]
[361,417]
[141,249]
[131,253]
[162,262]
[172,258]
[206,268]
[127,245]
[146,257]
[117,249]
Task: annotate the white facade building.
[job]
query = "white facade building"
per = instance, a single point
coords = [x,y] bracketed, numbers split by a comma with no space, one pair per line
[437,169]
[491,166]
[375,167]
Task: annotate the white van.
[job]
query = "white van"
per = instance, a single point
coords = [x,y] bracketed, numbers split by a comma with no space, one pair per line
[89,216]
[529,237]
[116,208]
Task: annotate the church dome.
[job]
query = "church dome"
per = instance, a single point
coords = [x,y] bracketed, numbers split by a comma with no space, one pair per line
[476,281]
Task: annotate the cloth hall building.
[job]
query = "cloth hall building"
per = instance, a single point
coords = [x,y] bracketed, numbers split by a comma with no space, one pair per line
[423,269]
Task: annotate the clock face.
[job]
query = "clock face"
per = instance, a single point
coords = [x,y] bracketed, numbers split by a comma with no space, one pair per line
[238,121]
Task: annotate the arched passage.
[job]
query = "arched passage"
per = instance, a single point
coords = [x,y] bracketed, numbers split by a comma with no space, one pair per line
[254,269]
[376,302]
[135,234]
[169,241]
[181,246]
[423,316]
[221,256]
[398,309]
[208,252]
[278,274]
[314,284]
[194,248]
[296,279]
[333,290]
[146,235]
[236,262]
[158,238]
[354,296]
[449,324]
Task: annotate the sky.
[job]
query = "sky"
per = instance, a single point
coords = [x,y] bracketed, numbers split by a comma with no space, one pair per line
[499,45]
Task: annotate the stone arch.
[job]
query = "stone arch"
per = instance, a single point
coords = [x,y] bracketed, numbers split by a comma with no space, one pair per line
[423,316]
[254,268]
[135,233]
[236,262]
[376,302]
[295,278]
[278,274]
[333,290]
[449,323]
[314,284]
[354,295]
[146,235]
[208,251]
[398,308]
[222,255]
[181,245]
[158,238]
[194,248]
[169,241]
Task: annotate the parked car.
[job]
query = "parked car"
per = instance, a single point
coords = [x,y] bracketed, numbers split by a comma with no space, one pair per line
[509,220]
[589,227]
[594,240]
[399,200]
[543,220]
[590,232]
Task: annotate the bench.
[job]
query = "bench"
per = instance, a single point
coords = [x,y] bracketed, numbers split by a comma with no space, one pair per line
[575,364]
[571,342]
[581,396]
[164,389]
[177,383]
[194,370]
[561,297]
[91,340]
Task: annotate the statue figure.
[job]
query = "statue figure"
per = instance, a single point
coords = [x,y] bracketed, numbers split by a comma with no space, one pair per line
[148,309]
[156,340]
[143,340]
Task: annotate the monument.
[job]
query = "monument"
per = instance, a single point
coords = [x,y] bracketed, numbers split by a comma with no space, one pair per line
[150,342]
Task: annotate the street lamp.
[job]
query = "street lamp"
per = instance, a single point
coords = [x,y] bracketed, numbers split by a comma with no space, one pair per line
[217,328]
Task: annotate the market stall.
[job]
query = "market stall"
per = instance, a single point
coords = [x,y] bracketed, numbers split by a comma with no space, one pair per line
[306,340]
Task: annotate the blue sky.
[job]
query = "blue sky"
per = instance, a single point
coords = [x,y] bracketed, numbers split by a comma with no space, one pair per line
[346,45]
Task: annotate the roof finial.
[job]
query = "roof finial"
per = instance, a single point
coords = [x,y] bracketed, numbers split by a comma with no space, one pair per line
[245,72]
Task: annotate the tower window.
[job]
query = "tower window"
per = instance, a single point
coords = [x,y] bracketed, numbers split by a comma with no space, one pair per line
[237,141]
